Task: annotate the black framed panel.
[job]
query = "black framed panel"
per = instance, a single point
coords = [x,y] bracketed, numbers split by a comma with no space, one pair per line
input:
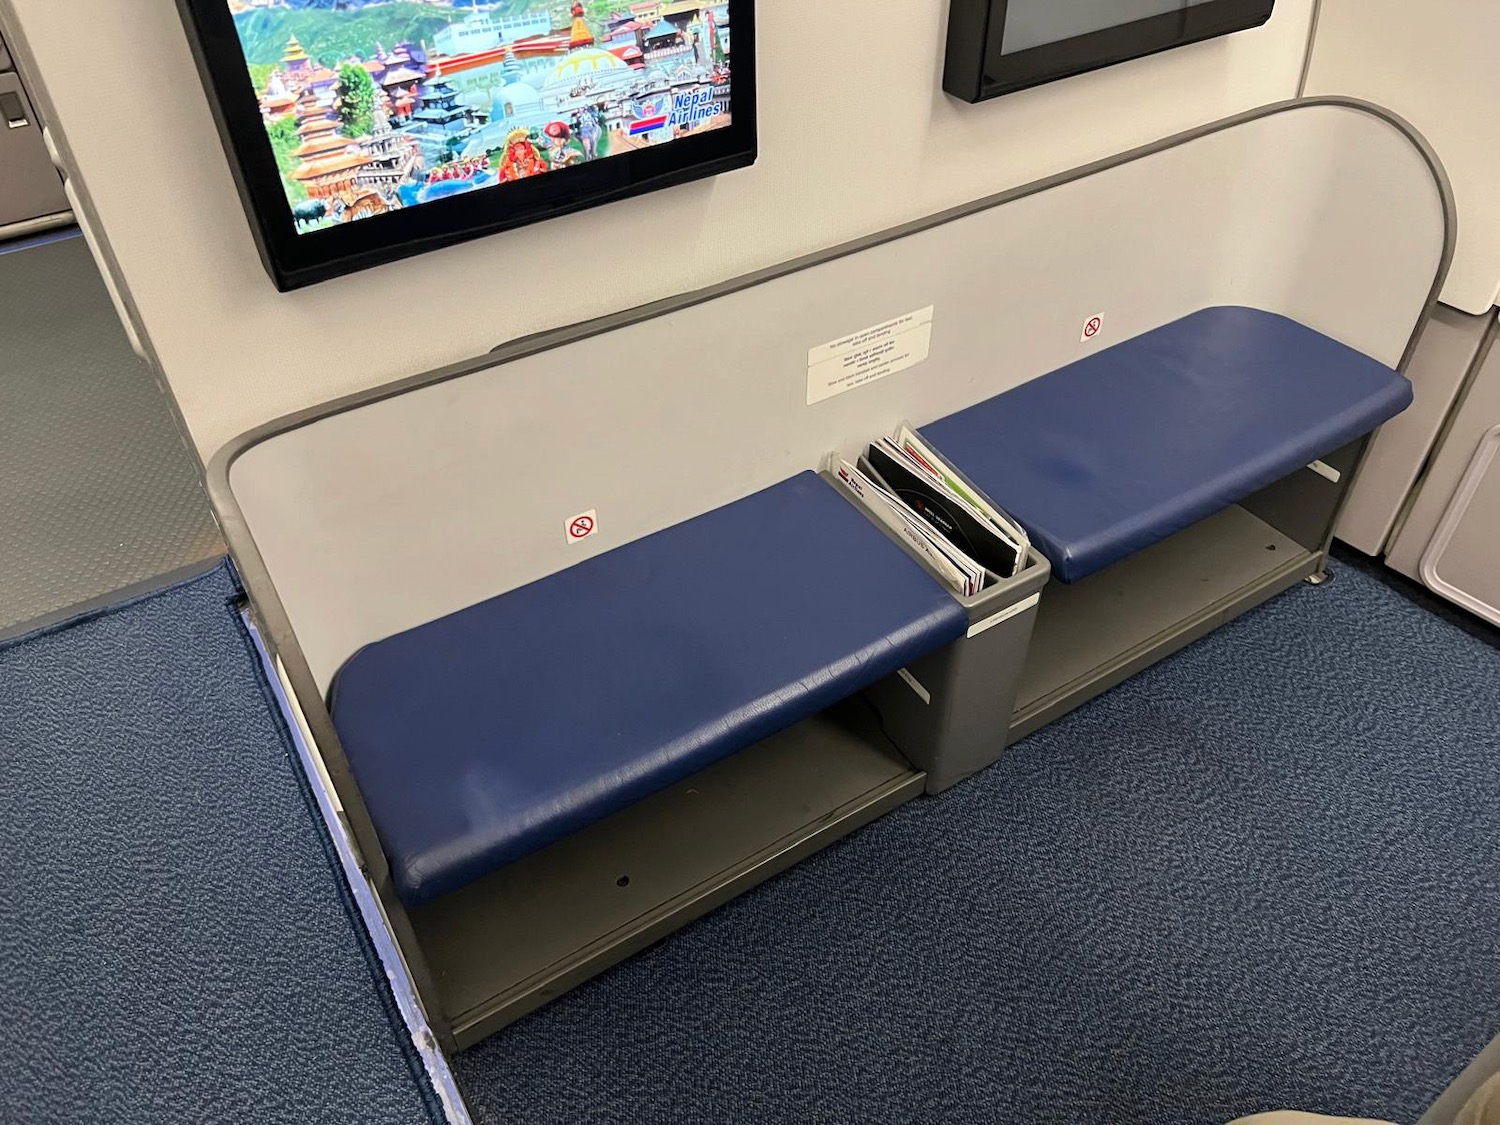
[981,63]
[300,241]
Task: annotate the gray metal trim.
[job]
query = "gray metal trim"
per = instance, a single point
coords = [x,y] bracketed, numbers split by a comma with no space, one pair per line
[1351,479]
[408,1003]
[271,614]
[39,225]
[108,600]
[365,841]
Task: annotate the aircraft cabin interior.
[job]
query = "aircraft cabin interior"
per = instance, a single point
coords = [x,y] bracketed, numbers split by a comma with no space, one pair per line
[639,562]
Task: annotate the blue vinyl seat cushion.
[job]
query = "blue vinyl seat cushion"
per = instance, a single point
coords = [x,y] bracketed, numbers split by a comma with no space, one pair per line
[488,734]
[1117,451]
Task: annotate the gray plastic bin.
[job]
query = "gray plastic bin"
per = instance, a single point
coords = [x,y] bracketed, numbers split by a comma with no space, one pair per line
[949,713]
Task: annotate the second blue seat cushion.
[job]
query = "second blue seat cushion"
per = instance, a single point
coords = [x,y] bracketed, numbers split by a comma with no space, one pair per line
[1113,453]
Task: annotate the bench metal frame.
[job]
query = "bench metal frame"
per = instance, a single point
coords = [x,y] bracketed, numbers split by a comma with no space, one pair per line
[1299,510]
[1181,588]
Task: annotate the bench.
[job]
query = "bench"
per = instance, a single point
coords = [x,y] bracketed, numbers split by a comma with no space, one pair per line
[1104,457]
[390,525]
[487,736]
[482,737]
[1172,481]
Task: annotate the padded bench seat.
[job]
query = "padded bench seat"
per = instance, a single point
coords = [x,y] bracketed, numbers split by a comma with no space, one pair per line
[1120,450]
[488,734]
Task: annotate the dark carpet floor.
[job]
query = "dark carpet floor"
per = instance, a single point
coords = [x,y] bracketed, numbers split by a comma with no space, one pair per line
[1264,874]
[175,937]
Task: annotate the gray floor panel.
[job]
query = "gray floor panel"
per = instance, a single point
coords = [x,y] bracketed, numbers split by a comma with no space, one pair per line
[99,495]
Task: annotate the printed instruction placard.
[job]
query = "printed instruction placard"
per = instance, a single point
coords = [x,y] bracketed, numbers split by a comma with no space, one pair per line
[873,353]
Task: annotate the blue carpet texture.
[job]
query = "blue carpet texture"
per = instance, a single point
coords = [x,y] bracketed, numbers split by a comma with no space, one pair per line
[1264,874]
[177,942]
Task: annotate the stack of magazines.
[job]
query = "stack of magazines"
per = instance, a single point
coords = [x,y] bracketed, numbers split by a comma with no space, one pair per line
[907,487]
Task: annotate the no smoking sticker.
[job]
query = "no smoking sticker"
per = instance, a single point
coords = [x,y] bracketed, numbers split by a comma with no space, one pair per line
[1092,327]
[581,526]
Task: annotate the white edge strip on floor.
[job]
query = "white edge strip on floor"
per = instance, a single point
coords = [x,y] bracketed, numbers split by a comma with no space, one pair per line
[402,986]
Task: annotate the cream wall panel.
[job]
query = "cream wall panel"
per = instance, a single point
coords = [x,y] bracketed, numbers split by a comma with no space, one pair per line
[1438,65]
[856,137]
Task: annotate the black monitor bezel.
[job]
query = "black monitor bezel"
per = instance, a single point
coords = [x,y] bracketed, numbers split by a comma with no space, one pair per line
[294,260]
[977,69]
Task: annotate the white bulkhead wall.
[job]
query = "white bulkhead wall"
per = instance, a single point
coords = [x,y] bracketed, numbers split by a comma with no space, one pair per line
[856,136]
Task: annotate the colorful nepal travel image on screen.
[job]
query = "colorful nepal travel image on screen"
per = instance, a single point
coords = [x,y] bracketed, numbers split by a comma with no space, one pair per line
[374,106]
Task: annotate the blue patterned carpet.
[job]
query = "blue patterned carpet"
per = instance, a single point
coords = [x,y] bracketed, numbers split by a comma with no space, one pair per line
[1265,873]
[173,928]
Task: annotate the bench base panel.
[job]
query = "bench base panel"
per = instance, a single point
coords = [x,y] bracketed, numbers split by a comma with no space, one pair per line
[1096,633]
[510,942]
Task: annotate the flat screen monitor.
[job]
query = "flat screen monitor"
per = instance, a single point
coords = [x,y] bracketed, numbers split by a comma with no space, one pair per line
[361,131]
[999,46]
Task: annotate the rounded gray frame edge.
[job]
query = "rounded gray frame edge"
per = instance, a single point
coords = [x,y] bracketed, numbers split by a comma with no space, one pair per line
[271,617]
